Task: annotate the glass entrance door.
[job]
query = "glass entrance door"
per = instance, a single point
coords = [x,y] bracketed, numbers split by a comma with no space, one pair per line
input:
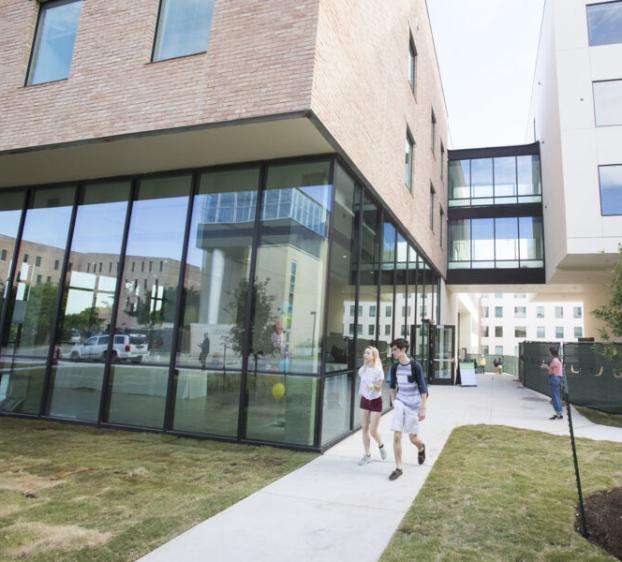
[442,354]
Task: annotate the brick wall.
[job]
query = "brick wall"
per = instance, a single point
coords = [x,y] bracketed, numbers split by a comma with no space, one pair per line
[362,95]
[260,62]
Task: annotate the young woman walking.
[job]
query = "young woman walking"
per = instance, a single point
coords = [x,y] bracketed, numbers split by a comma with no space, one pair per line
[370,388]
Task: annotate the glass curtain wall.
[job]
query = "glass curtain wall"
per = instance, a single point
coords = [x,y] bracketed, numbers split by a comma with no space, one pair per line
[141,347]
[288,303]
[212,334]
[29,319]
[88,300]
[233,302]
[341,377]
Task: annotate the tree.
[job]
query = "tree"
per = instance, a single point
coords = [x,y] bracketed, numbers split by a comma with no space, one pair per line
[86,322]
[261,322]
[611,313]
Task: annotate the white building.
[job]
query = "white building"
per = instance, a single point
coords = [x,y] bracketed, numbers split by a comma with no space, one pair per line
[509,318]
[576,115]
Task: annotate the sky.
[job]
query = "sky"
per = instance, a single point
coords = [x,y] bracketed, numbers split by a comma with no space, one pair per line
[487,52]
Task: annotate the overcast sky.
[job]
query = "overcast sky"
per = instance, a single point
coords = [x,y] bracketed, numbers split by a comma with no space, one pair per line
[486,51]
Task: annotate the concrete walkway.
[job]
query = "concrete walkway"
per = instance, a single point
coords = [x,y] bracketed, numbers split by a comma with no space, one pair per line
[333,510]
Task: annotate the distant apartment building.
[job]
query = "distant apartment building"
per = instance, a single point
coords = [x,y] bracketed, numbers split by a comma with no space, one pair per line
[509,318]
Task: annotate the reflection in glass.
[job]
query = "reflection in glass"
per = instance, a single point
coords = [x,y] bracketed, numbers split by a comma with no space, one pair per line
[459,179]
[460,241]
[387,280]
[482,241]
[531,247]
[336,406]
[33,300]
[281,408]
[207,402]
[604,21]
[146,308]
[291,261]
[528,177]
[608,102]
[610,178]
[55,39]
[368,290]
[505,178]
[481,178]
[506,241]
[88,300]
[217,270]
[184,28]
[11,205]
[339,344]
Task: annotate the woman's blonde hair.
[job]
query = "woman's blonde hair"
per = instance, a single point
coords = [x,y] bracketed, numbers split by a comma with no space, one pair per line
[375,363]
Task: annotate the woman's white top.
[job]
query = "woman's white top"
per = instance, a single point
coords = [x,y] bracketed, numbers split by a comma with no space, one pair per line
[370,375]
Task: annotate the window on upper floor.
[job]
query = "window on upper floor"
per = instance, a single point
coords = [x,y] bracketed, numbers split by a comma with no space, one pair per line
[559,332]
[485,331]
[610,179]
[520,332]
[577,312]
[441,224]
[183,28]
[520,312]
[498,312]
[559,312]
[409,157]
[432,203]
[607,102]
[485,312]
[442,161]
[412,66]
[498,331]
[604,23]
[540,332]
[55,38]
[539,312]
[433,131]
[578,332]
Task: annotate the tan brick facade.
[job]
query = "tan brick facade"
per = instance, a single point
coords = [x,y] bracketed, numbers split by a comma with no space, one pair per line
[344,60]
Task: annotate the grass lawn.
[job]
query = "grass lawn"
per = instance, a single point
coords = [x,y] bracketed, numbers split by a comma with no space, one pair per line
[63,487]
[499,493]
[603,418]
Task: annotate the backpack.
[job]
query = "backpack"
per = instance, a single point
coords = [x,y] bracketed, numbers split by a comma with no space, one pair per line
[412,377]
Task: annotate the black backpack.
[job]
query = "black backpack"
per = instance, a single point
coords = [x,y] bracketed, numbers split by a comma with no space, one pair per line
[412,377]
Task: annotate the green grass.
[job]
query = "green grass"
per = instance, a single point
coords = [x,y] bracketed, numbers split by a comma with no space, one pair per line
[75,493]
[603,418]
[498,494]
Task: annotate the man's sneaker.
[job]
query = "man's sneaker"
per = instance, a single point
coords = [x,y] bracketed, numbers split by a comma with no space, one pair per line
[383,453]
[557,417]
[421,455]
[366,459]
[395,474]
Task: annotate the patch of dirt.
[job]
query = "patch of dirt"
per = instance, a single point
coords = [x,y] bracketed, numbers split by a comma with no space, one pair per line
[40,538]
[25,483]
[603,514]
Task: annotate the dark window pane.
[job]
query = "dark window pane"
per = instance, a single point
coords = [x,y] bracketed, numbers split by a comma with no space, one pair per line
[216,280]
[89,298]
[604,23]
[34,305]
[11,205]
[291,268]
[54,41]
[339,346]
[610,189]
[184,28]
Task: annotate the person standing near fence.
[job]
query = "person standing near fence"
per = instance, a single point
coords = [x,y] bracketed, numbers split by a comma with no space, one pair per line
[556,374]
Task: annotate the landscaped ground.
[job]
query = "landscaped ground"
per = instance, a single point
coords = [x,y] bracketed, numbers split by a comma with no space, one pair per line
[121,493]
[498,493]
[603,418]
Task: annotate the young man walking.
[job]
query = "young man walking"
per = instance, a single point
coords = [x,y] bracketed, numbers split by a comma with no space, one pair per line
[409,393]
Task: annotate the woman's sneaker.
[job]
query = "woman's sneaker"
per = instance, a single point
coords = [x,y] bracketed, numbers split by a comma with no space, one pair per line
[383,453]
[395,474]
[421,455]
[366,459]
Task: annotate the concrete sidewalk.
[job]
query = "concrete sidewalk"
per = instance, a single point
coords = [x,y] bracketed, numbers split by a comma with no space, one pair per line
[333,510]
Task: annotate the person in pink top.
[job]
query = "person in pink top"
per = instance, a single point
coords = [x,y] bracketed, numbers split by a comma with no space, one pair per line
[556,374]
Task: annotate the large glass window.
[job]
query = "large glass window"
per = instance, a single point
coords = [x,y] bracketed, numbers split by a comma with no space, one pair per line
[483,242]
[146,308]
[184,28]
[608,102]
[412,66]
[291,266]
[531,242]
[409,155]
[506,242]
[339,346]
[54,41]
[88,301]
[460,242]
[11,205]
[459,182]
[33,304]
[386,288]
[217,270]
[604,23]
[610,178]
[500,180]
